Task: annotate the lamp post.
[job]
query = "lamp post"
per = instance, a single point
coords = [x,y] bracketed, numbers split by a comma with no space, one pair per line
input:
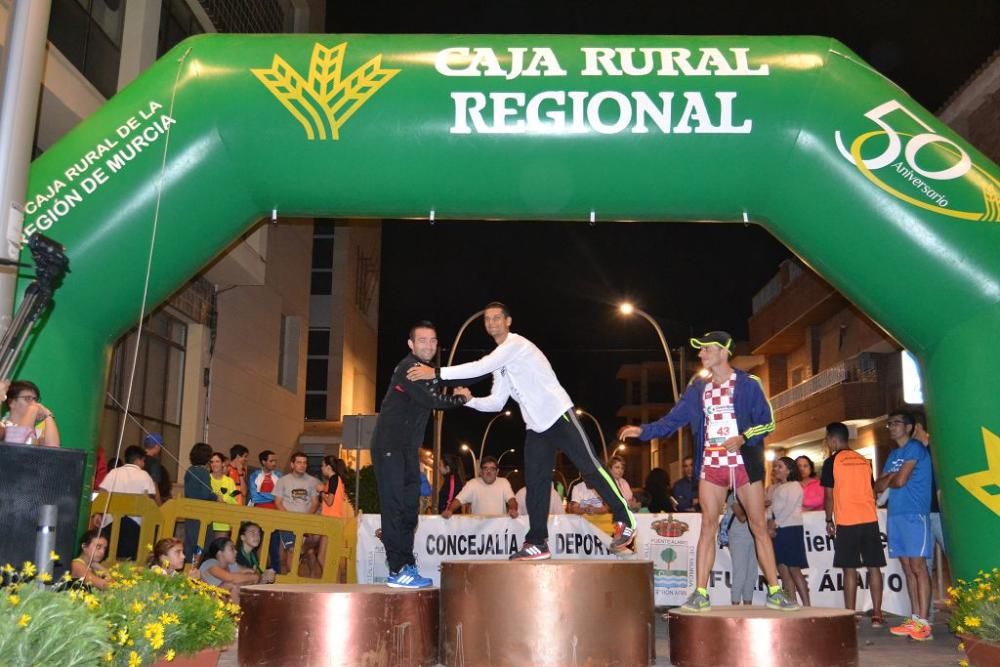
[475,461]
[580,412]
[482,445]
[509,451]
[627,308]
[439,414]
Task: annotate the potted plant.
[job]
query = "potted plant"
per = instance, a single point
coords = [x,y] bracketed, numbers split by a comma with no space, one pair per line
[157,617]
[975,618]
[41,626]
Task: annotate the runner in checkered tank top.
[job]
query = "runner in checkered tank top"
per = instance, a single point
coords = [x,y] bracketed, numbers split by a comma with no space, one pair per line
[729,416]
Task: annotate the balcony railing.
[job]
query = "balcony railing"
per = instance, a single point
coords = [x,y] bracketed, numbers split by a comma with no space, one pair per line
[861,368]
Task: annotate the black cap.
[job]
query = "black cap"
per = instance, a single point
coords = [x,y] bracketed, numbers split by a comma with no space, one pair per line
[720,338]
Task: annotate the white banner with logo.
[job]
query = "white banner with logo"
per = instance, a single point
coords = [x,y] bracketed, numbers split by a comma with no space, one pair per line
[670,544]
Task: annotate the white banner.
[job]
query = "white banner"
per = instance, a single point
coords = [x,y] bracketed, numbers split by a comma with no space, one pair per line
[670,545]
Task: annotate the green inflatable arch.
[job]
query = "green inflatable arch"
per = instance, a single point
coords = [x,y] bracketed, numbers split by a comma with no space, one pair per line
[796,134]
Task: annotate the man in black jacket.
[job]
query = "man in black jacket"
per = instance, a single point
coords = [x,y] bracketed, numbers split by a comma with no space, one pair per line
[399,432]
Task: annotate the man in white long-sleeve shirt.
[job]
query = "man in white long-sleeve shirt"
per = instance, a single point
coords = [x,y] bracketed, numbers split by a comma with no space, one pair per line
[520,371]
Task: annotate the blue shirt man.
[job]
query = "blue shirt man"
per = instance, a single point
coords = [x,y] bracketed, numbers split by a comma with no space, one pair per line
[685,492]
[907,474]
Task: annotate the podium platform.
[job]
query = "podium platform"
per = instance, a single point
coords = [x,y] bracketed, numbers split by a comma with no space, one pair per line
[552,613]
[338,625]
[754,636]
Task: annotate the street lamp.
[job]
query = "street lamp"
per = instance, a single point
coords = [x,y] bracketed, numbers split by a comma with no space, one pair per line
[509,451]
[482,445]
[475,461]
[580,412]
[627,308]
[439,414]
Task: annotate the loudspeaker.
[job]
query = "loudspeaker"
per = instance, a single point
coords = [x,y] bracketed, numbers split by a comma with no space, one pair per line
[34,476]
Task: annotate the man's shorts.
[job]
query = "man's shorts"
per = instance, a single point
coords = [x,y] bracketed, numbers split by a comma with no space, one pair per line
[726,476]
[859,545]
[910,536]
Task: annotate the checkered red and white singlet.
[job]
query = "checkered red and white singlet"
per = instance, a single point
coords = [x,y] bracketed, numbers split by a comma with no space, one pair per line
[720,425]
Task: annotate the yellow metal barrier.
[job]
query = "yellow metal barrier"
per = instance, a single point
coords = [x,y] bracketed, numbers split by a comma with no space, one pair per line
[337,556]
[127,504]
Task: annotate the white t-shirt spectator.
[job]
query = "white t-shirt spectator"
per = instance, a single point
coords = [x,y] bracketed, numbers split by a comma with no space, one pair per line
[585,496]
[131,479]
[555,502]
[486,498]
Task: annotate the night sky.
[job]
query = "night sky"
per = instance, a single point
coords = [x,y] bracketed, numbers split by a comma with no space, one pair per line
[563,281]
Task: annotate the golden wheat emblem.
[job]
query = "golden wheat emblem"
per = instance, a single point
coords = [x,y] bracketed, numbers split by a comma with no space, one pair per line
[324,100]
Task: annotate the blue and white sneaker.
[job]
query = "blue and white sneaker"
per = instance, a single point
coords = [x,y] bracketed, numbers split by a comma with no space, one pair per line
[408,577]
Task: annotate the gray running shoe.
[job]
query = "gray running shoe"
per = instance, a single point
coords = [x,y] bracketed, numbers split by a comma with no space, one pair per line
[779,601]
[696,602]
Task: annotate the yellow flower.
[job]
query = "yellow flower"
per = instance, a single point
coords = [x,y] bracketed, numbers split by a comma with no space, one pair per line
[91,601]
[169,655]
[8,569]
[973,621]
[961,646]
[167,618]
[122,636]
[45,577]
[13,600]
[134,659]
[67,577]
[959,629]
[219,614]
[53,556]
[963,663]
[109,656]
[28,569]
[137,607]
[23,621]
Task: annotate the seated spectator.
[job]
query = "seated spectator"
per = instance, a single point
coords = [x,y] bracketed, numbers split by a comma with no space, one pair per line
[616,466]
[452,480]
[237,471]
[224,488]
[87,566]
[248,551]
[555,501]
[813,496]
[658,487]
[586,500]
[197,486]
[28,422]
[220,569]
[486,494]
[168,558]
[129,478]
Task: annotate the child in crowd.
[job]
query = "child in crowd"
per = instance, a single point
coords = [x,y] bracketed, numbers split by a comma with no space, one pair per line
[87,566]
[220,568]
[248,551]
[168,558]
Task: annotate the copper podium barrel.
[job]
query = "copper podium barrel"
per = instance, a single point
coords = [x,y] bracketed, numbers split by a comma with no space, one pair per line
[760,637]
[553,613]
[338,625]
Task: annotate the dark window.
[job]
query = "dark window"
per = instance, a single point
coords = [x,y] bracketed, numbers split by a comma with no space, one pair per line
[177,23]
[322,252]
[316,406]
[316,370]
[319,342]
[321,283]
[89,34]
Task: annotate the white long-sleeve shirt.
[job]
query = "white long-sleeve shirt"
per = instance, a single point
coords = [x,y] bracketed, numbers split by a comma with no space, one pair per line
[786,504]
[520,371]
